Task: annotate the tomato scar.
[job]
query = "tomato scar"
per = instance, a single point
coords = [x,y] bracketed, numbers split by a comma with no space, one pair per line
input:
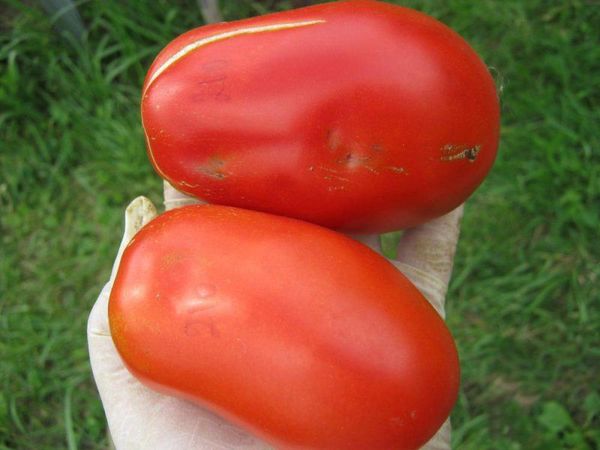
[214,168]
[452,152]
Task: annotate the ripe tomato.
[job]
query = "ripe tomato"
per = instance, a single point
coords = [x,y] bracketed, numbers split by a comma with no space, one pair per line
[356,115]
[301,335]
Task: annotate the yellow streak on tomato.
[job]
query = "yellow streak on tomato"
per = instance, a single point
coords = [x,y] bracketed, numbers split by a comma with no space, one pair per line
[151,154]
[222,36]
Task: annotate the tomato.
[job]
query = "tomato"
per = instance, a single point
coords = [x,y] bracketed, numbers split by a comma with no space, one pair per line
[360,115]
[299,334]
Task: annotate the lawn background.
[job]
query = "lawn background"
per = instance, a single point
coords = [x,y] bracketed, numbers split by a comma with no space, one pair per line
[523,303]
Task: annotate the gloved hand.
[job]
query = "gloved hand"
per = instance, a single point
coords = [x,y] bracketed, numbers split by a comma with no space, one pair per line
[139,418]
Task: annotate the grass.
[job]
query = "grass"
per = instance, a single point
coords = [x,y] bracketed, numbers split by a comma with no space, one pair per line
[524,300]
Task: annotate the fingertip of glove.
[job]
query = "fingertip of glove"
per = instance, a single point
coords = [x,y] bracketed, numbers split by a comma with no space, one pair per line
[139,212]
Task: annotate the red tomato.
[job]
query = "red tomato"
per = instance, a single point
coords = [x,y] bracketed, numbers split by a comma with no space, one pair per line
[357,115]
[297,333]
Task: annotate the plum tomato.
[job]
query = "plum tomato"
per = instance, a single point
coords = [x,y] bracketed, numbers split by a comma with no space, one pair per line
[361,115]
[299,334]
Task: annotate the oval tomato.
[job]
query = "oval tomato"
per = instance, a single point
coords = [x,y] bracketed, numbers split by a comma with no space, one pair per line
[301,335]
[359,115]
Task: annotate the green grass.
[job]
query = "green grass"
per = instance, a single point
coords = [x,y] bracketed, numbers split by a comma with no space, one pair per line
[524,300]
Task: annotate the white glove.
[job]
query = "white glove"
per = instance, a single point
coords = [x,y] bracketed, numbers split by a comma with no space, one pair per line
[139,418]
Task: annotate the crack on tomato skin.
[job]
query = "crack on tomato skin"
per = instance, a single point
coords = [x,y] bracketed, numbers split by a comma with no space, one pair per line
[188,185]
[332,174]
[150,151]
[352,160]
[195,45]
[329,169]
[371,169]
[354,155]
[471,154]
[215,174]
[398,169]
[335,178]
[452,152]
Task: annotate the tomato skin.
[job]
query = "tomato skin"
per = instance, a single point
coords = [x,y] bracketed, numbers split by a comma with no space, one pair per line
[360,115]
[299,334]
